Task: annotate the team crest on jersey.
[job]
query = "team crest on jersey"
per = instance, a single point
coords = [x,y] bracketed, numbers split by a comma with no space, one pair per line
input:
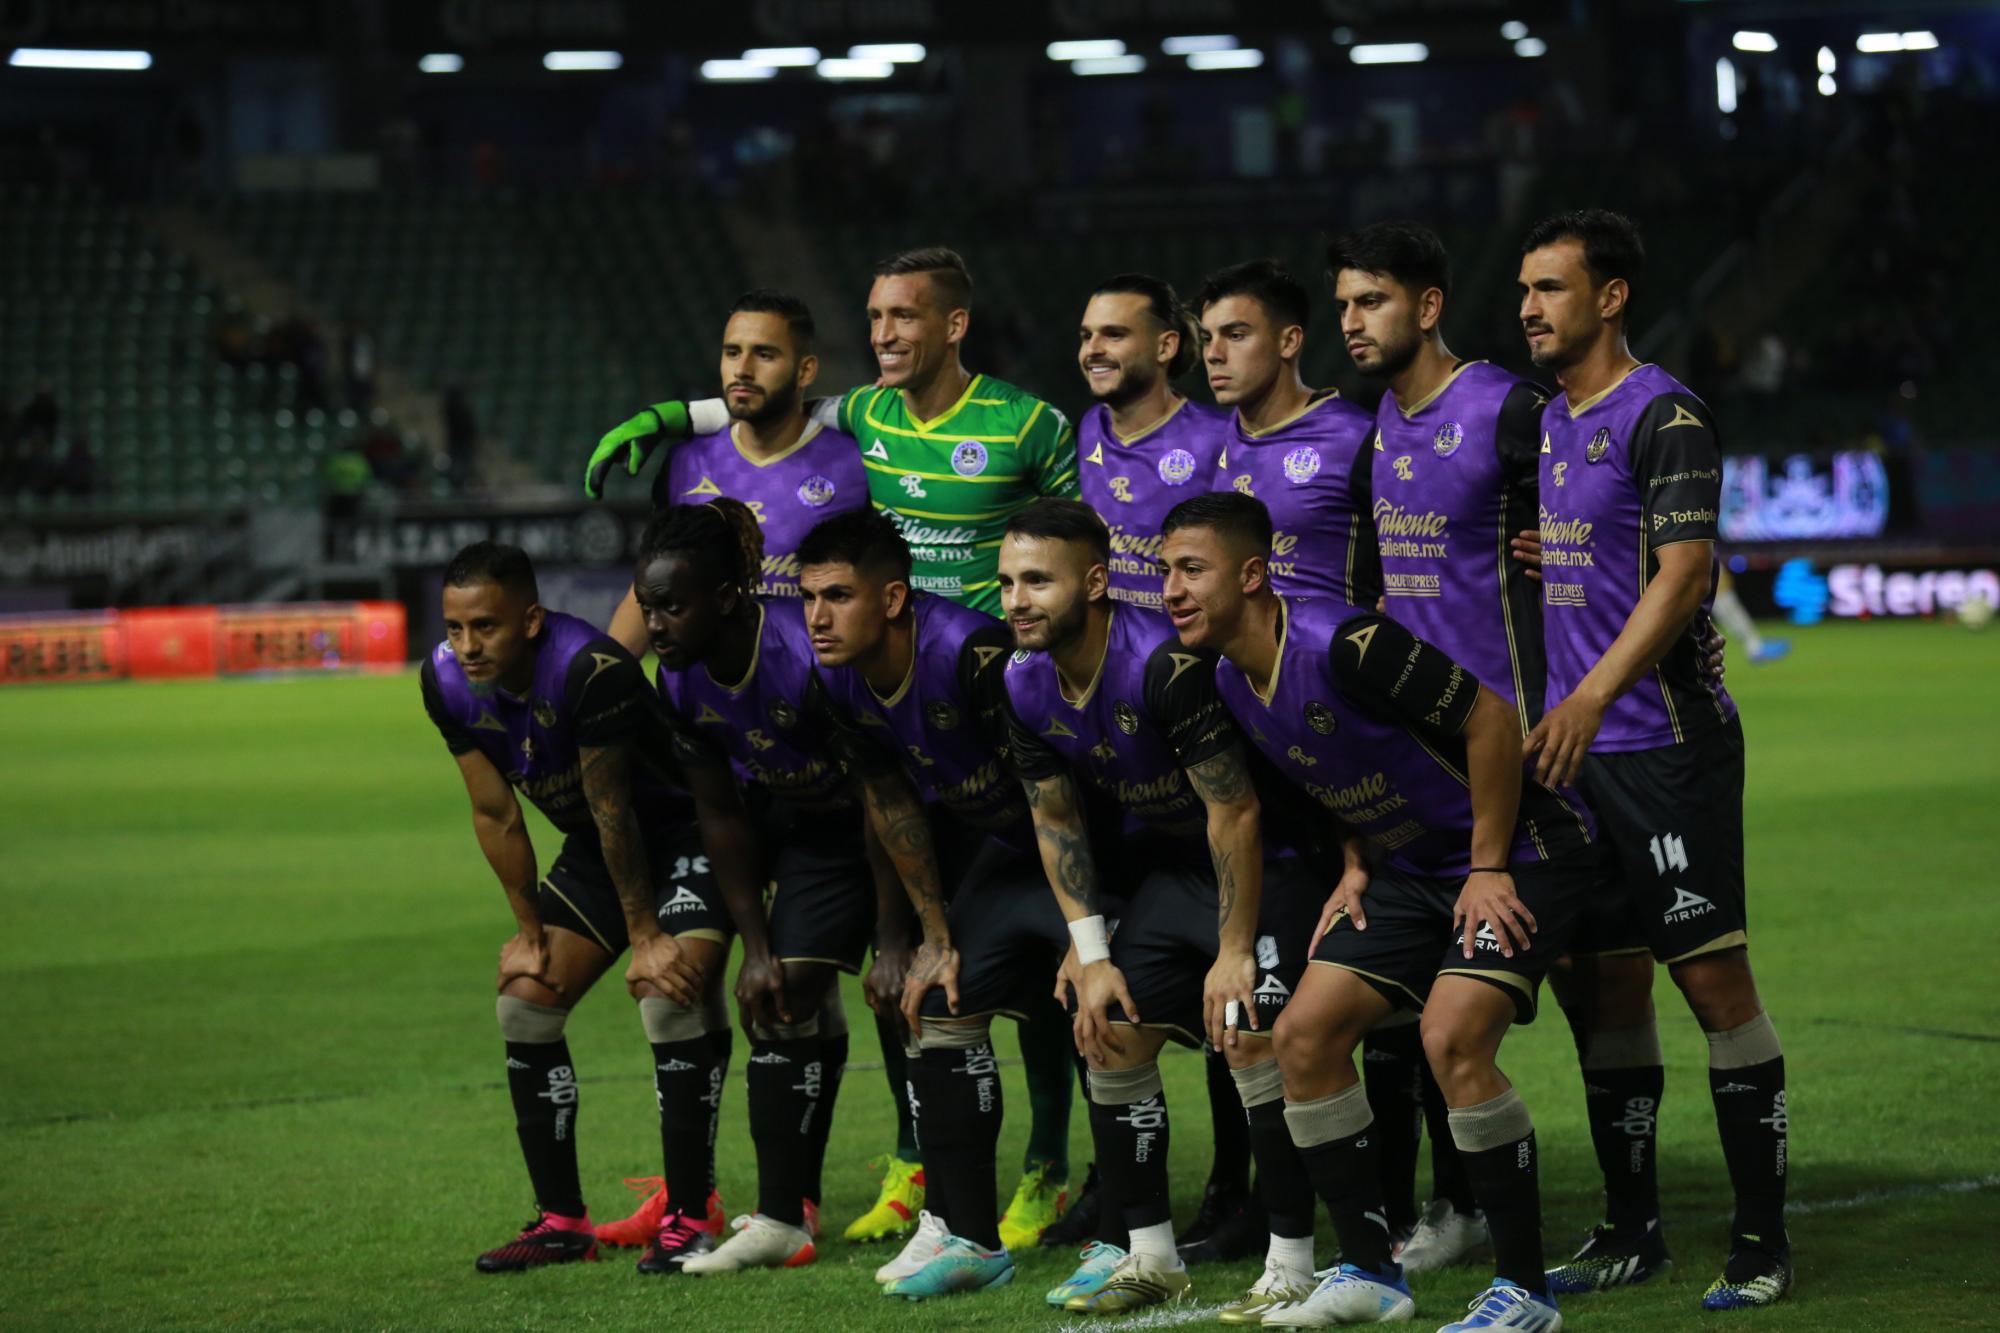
[816,492]
[940,715]
[1127,717]
[1020,655]
[1402,466]
[783,713]
[1450,435]
[545,713]
[1320,718]
[1302,465]
[1177,468]
[969,459]
[1600,445]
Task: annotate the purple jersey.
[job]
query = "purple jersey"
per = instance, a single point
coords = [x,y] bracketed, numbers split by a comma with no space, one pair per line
[820,475]
[1623,474]
[764,724]
[587,692]
[947,722]
[1451,480]
[1133,483]
[1303,471]
[1368,719]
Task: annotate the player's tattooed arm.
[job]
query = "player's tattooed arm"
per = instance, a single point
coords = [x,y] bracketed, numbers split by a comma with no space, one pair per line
[1064,842]
[1236,846]
[656,959]
[903,827]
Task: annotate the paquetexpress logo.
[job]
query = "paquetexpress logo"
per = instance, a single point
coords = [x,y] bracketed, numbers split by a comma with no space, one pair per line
[1800,590]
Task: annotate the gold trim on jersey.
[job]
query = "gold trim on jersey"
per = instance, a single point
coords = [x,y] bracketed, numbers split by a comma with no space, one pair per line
[1457,774]
[756,650]
[1416,1000]
[1433,395]
[1507,615]
[805,438]
[1514,979]
[550,886]
[1319,396]
[1144,431]
[1095,676]
[1733,940]
[1270,690]
[1578,409]
[896,696]
[1659,675]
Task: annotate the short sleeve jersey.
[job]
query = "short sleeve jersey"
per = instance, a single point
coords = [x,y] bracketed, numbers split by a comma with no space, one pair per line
[1132,483]
[1449,482]
[587,692]
[1368,720]
[951,483]
[1303,470]
[1623,474]
[818,476]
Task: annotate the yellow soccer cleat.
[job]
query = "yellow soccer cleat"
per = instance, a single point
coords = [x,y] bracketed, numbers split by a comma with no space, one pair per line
[1133,1286]
[1038,1202]
[896,1207]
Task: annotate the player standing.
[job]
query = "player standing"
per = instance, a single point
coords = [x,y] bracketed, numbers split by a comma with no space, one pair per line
[1631,479]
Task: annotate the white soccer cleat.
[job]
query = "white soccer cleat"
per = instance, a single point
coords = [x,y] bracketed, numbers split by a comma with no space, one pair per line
[1347,1295]
[1444,1238]
[759,1242]
[1504,1305]
[921,1248]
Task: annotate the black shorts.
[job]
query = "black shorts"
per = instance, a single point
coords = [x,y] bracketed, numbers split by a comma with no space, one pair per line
[578,893]
[1010,937]
[822,896]
[1673,820]
[1410,940]
[1164,942]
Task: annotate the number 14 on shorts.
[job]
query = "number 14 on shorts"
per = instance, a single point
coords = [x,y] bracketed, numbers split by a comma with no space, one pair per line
[1669,853]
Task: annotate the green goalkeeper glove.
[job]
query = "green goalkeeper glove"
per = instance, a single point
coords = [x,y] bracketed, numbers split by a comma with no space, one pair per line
[635,440]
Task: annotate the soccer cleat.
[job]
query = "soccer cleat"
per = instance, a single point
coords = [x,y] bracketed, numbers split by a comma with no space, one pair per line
[677,1241]
[1038,1202]
[896,1207]
[1753,1276]
[921,1249]
[1132,1287]
[1442,1238]
[639,1230]
[759,1242]
[1093,1270]
[1273,1291]
[1077,1227]
[1771,650]
[958,1266]
[1228,1226]
[811,1211]
[1504,1305]
[549,1239]
[1348,1295]
[1613,1257]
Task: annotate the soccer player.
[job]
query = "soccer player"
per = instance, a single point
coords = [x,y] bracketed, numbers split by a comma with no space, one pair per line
[1107,705]
[917,682]
[1631,478]
[1450,479]
[949,455]
[536,700]
[737,670]
[1482,875]
[1140,448]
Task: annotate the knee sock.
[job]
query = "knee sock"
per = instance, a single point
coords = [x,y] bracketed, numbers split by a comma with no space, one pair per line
[541,1080]
[1392,1065]
[896,1068]
[833,1066]
[959,1110]
[1496,1141]
[1048,1051]
[1110,1208]
[1332,1134]
[787,1080]
[1282,1181]
[687,1086]
[1746,1078]
[721,1045]
[1128,1124]
[1229,1169]
[1622,1084]
[1448,1178]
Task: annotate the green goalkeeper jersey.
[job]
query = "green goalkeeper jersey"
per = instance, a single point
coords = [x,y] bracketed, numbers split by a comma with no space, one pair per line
[951,483]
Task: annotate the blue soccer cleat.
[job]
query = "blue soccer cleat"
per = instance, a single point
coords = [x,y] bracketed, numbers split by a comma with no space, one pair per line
[1093,1270]
[1505,1305]
[1753,1277]
[958,1266]
[1348,1295]
[1613,1257]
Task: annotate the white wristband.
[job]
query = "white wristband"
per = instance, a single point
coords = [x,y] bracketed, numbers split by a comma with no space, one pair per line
[1092,944]
[706,416]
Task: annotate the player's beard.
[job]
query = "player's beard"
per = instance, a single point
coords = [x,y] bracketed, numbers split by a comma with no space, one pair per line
[1060,631]
[775,403]
[1393,358]
[1133,384]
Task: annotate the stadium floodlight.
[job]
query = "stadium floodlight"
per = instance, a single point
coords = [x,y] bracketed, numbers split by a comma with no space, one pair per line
[1877,43]
[1827,62]
[736,71]
[1725,86]
[896,53]
[1531,48]
[1109,65]
[566,62]
[1513,30]
[839,70]
[441,62]
[1247,58]
[1762,43]
[1827,87]
[55,57]
[1389,53]
[1187,46]
[1108,48]
[783,57]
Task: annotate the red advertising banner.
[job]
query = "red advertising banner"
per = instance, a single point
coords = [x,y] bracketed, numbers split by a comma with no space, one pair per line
[84,646]
[155,643]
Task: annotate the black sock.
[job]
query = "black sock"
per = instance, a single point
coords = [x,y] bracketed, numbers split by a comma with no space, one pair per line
[896,1068]
[1229,1170]
[1111,1229]
[1131,1140]
[1506,1178]
[1750,1115]
[542,1082]
[1048,1051]
[958,1092]
[1392,1065]
[687,1083]
[833,1067]
[722,1045]
[1282,1181]
[1623,1106]
[1448,1178]
[1348,1178]
[786,1081]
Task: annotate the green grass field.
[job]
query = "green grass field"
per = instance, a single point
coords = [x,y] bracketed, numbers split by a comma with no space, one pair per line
[252,1079]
